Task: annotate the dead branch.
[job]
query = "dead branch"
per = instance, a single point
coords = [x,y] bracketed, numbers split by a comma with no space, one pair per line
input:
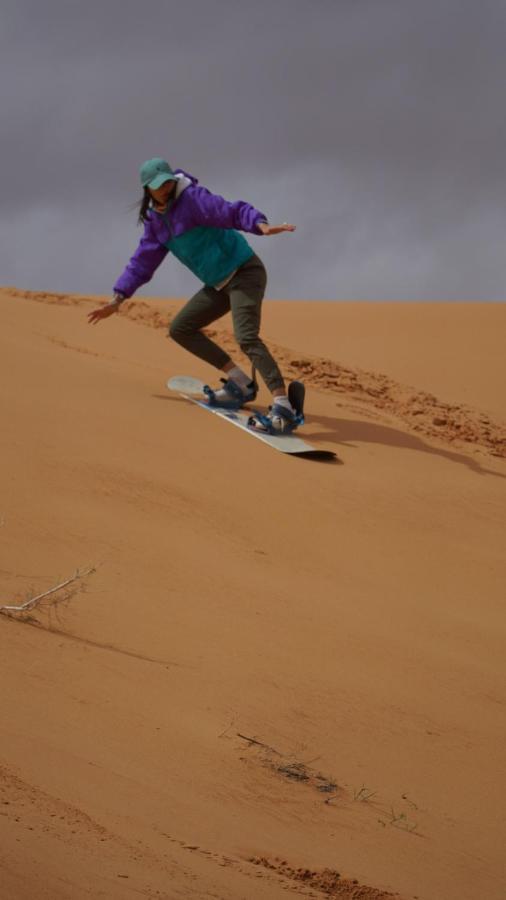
[34,600]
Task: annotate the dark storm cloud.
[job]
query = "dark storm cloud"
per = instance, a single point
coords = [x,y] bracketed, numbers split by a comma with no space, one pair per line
[376,125]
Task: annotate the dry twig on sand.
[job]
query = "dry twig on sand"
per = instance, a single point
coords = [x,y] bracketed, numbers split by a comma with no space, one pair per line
[252,741]
[29,604]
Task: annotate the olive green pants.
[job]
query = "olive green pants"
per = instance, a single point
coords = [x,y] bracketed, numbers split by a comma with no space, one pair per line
[242,296]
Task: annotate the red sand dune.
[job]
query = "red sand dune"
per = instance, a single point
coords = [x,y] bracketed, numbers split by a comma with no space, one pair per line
[274,676]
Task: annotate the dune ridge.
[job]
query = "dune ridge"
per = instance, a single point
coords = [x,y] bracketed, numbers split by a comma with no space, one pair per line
[452,424]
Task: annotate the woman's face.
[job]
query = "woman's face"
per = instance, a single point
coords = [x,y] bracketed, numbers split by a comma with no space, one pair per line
[162,194]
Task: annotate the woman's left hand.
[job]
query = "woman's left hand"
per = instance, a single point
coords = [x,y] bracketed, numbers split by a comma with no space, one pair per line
[274,229]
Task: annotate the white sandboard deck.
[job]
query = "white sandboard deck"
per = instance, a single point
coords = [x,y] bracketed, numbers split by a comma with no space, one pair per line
[191,388]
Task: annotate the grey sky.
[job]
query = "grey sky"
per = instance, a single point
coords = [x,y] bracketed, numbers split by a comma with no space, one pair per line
[377,126]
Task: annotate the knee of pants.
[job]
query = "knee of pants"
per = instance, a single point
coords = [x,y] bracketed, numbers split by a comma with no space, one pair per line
[251,345]
[177,331]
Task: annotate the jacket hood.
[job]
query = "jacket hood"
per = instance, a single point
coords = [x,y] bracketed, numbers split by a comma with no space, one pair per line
[184,180]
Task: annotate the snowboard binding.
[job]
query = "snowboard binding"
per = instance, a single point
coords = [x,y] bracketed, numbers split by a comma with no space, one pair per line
[280,420]
[234,398]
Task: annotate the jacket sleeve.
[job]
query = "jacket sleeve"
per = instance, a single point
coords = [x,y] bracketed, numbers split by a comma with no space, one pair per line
[213,210]
[143,264]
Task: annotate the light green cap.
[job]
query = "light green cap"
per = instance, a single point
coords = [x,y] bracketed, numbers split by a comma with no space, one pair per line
[155,172]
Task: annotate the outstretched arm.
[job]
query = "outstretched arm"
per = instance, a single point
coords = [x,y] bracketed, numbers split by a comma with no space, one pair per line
[211,209]
[143,264]
[140,270]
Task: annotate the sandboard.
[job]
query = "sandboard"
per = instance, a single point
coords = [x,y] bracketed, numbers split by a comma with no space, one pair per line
[192,389]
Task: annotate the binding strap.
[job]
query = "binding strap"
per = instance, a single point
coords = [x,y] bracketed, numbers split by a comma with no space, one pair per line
[229,386]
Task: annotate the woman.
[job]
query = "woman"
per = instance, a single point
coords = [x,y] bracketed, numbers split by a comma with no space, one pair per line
[202,230]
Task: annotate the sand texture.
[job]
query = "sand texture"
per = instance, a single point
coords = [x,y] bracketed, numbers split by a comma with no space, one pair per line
[266,676]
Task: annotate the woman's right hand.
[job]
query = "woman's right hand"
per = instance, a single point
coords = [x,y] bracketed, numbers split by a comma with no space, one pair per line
[103,312]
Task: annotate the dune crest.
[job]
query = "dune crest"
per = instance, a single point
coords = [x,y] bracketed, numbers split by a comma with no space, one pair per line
[453,424]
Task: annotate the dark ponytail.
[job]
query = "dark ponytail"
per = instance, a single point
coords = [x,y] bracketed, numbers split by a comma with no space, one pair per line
[144,206]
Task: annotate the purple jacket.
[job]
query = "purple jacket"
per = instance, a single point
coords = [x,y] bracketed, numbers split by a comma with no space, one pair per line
[192,228]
